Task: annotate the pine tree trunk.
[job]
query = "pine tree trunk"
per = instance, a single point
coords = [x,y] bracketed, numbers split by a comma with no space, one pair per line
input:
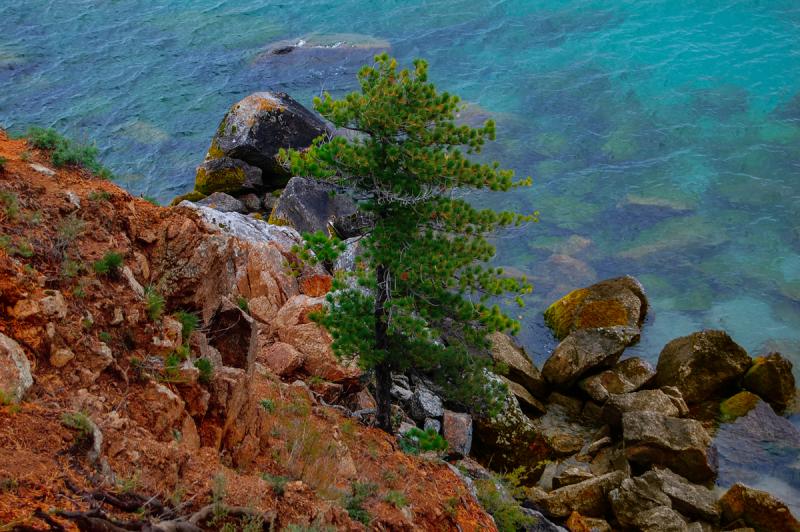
[383,373]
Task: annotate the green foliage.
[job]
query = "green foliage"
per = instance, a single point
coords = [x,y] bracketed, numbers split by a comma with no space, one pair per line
[268,405]
[417,440]
[5,398]
[109,265]
[397,499]
[66,152]
[99,195]
[497,497]
[79,422]
[319,248]
[105,337]
[18,246]
[242,303]
[189,322]
[277,482]
[425,257]
[354,502]
[151,200]
[10,204]
[3,162]
[206,369]
[154,302]
[69,229]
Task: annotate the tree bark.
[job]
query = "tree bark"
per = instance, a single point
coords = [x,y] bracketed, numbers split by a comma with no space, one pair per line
[383,372]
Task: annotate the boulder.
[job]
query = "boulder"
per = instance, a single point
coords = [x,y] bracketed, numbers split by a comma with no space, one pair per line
[223,203]
[283,359]
[613,302]
[251,201]
[425,404]
[520,367]
[634,497]
[15,370]
[641,401]
[529,404]
[757,509]
[682,445]
[257,127]
[585,350]
[772,379]
[233,333]
[661,519]
[702,365]
[589,498]
[225,175]
[457,430]
[432,424]
[626,376]
[54,306]
[310,205]
[572,475]
[689,499]
[581,523]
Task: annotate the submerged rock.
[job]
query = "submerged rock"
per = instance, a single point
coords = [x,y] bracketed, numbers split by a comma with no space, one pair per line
[772,379]
[757,509]
[682,445]
[619,301]
[585,350]
[310,205]
[702,365]
[257,127]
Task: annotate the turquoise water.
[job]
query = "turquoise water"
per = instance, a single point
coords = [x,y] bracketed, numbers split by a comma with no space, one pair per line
[663,136]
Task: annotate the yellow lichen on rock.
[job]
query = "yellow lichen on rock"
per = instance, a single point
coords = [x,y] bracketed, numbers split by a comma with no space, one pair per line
[560,315]
[189,196]
[222,180]
[737,406]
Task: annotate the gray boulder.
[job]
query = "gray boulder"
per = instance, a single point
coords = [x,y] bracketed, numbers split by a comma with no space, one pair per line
[425,404]
[255,128]
[626,376]
[641,401]
[702,365]
[661,519]
[691,500]
[589,497]
[634,497]
[310,205]
[15,369]
[223,203]
[520,367]
[457,430]
[585,350]
[682,445]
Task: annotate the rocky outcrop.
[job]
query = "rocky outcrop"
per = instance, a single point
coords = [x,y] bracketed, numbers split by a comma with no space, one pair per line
[257,127]
[585,350]
[225,174]
[771,378]
[310,205]
[222,202]
[682,445]
[642,401]
[613,302]
[744,506]
[589,498]
[702,365]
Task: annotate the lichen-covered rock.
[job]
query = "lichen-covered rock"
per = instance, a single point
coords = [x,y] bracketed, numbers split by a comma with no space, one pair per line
[691,500]
[585,350]
[634,497]
[528,402]
[425,404]
[581,523]
[626,376]
[772,379]
[520,367]
[223,202]
[702,365]
[737,406]
[757,509]
[224,174]
[15,369]
[310,205]
[661,519]
[619,301]
[255,128]
[682,445]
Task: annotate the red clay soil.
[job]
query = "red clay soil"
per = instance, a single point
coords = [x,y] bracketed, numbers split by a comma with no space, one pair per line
[154,444]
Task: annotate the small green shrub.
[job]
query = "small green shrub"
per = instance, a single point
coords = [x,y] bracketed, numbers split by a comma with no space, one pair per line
[189,322]
[206,369]
[5,398]
[3,162]
[268,405]
[507,512]
[99,195]
[65,152]
[276,482]
[397,499]
[79,422]
[10,204]
[154,303]
[105,337]
[25,156]
[241,302]
[354,503]
[109,265]
[417,440]
[70,268]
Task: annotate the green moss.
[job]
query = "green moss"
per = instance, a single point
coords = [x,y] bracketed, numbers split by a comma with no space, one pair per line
[223,180]
[214,151]
[737,406]
[189,196]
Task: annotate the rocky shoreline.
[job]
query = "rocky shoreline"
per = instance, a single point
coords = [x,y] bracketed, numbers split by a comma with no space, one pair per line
[610,443]
[596,441]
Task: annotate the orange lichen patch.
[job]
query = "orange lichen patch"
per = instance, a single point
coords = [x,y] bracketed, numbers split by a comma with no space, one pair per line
[269,104]
[560,315]
[737,406]
[315,284]
[604,313]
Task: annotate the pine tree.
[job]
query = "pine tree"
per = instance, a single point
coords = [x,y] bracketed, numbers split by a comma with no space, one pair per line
[424,273]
